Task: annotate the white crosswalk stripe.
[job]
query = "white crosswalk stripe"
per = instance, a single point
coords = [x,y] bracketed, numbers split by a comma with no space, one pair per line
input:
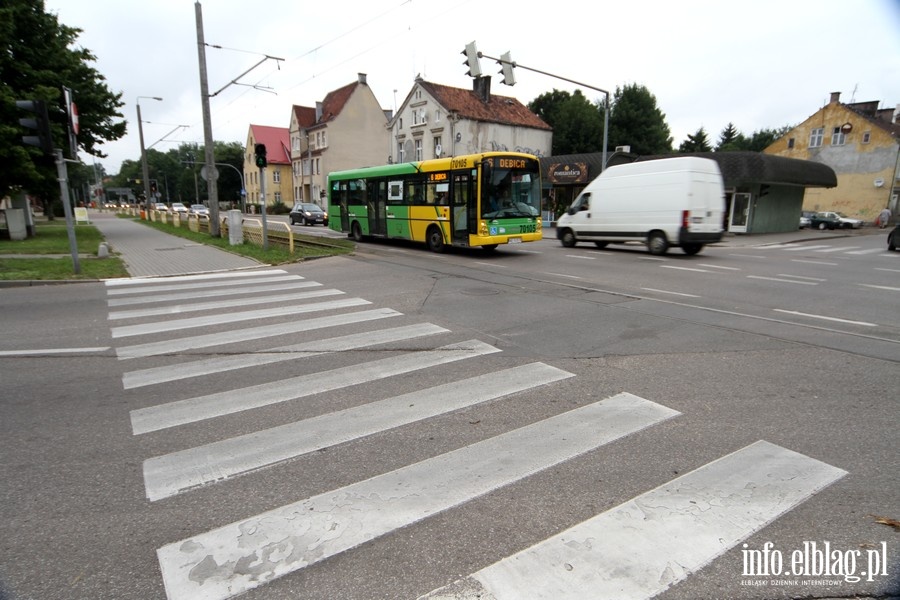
[176,472]
[353,341]
[237,557]
[636,550]
[644,546]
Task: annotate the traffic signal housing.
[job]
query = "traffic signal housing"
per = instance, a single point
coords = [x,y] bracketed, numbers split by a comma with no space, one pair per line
[261,161]
[40,123]
[506,69]
[472,60]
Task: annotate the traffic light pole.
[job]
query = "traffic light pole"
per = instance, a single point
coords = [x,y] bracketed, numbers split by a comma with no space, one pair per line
[63,175]
[262,196]
[504,60]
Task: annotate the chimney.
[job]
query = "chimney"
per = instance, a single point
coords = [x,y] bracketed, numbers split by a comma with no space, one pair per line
[362,78]
[318,111]
[835,97]
[482,88]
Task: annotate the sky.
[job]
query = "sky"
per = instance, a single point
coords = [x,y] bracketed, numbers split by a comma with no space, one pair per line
[758,64]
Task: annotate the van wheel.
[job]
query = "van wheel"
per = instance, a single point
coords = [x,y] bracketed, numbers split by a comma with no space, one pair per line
[657,243]
[691,249]
[568,239]
[356,232]
[601,244]
[435,239]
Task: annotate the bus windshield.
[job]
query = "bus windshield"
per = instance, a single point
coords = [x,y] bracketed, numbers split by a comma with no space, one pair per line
[511,193]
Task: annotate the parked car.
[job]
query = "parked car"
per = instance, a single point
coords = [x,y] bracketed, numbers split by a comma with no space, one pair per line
[894,238]
[806,218]
[160,206]
[844,222]
[198,209]
[308,214]
[825,220]
[178,207]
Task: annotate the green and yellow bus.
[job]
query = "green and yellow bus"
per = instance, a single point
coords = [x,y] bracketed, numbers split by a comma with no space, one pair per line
[474,200]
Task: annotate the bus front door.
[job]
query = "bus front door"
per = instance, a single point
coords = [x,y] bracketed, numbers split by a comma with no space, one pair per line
[462,209]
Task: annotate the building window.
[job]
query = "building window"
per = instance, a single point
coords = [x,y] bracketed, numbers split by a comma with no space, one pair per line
[437,116]
[790,143]
[418,149]
[816,136]
[867,135]
[837,137]
[276,176]
[400,152]
[318,172]
[438,147]
[277,198]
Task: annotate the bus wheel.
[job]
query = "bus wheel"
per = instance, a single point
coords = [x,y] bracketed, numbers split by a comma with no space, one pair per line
[568,239]
[435,239]
[489,247]
[356,232]
[657,243]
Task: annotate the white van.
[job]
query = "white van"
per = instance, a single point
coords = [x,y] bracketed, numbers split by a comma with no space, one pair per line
[667,202]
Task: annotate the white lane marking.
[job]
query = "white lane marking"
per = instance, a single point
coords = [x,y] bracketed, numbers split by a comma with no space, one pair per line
[802,277]
[802,314]
[838,249]
[888,270]
[177,472]
[231,290]
[684,268]
[652,258]
[782,280]
[668,292]
[804,248]
[869,251]
[227,318]
[644,546]
[222,284]
[140,281]
[53,351]
[253,333]
[230,560]
[814,262]
[775,246]
[581,257]
[209,366]
[880,287]
[177,309]
[560,275]
[190,410]
[720,267]
[495,265]
[749,256]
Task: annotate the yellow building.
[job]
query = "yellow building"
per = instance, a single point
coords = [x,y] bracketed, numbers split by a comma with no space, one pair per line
[279,178]
[860,142]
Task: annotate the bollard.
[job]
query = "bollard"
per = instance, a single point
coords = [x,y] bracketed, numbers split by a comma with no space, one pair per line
[103,250]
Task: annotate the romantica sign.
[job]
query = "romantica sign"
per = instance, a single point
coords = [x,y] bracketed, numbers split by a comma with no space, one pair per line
[568,173]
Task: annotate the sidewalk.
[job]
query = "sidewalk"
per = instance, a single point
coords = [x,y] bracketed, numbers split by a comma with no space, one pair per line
[147,252]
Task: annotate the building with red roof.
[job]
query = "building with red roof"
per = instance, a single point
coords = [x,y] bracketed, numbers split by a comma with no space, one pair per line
[279,178]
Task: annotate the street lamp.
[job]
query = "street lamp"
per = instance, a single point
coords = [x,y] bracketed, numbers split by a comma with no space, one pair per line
[144,168]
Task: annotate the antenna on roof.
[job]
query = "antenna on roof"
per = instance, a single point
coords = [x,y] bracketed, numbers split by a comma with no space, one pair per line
[853,95]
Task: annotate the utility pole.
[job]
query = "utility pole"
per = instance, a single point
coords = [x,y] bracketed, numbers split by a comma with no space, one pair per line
[211,184]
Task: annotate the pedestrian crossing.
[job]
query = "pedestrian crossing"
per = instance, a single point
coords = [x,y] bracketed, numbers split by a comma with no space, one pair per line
[635,550]
[825,249]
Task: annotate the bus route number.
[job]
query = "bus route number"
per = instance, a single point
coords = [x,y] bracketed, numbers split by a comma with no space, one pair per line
[458,163]
[528,228]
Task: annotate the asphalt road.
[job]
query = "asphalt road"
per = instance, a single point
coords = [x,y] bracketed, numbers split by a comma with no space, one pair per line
[536,422]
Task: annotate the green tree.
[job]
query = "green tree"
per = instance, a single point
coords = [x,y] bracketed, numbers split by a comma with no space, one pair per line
[696,142]
[38,58]
[577,123]
[635,120]
[731,139]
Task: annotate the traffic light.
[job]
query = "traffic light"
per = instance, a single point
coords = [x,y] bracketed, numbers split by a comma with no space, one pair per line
[506,68]
[261,161]
[40,124]
[472,60]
